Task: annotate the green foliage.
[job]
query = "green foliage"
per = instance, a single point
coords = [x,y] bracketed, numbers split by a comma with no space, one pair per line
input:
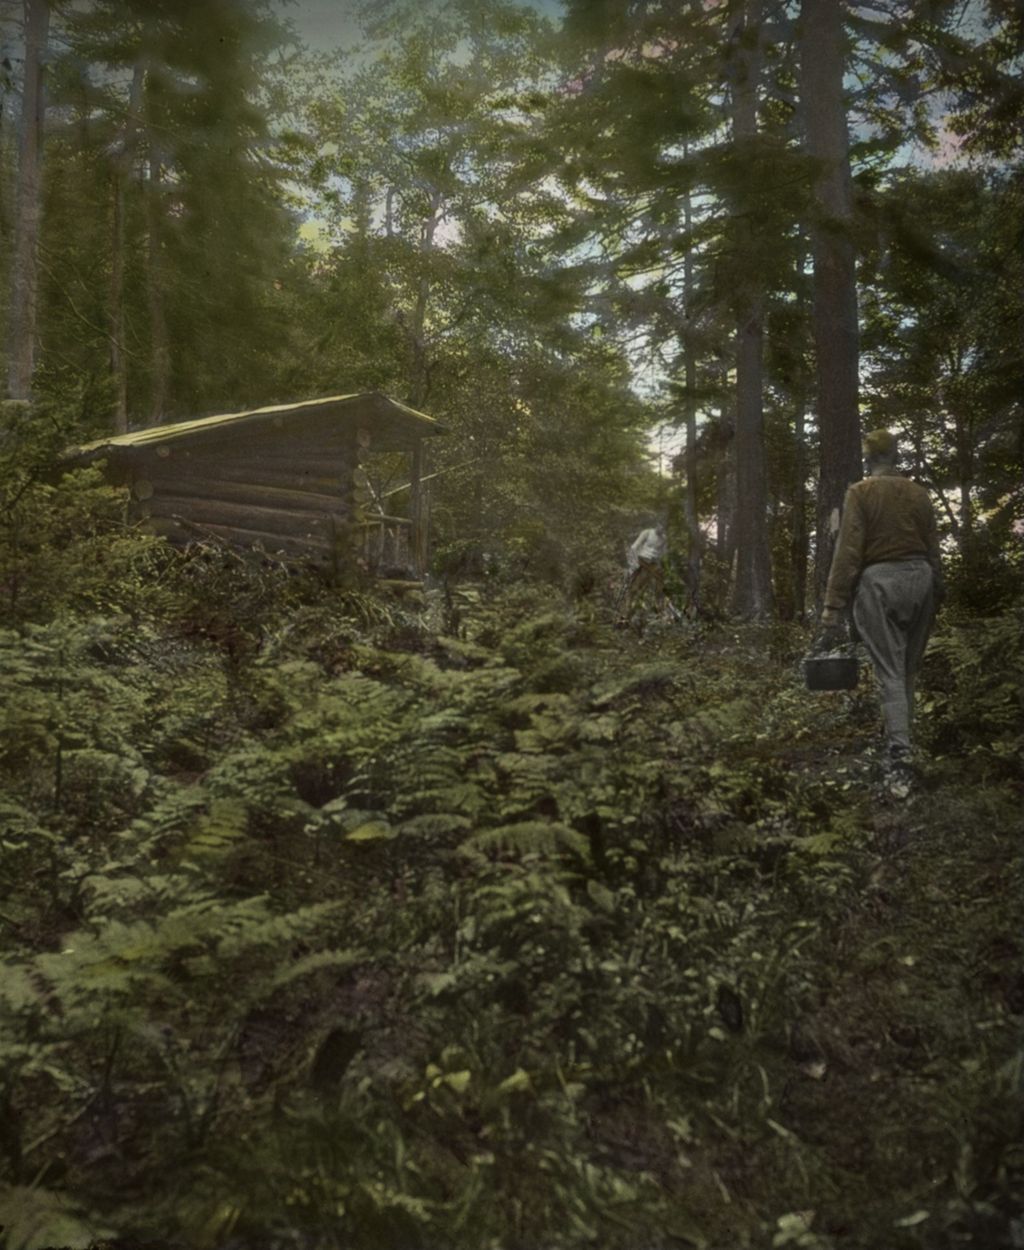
[416,945]
[942,358]
[319,928]
[34,1218]
[166,210]
[976,670]
[63,541]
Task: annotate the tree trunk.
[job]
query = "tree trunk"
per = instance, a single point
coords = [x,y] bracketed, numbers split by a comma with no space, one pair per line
[690,507]
[965,481]
[835,291]
[752,592]
[160,352]
[725,502]
[122,178]
[28,205]
[724,508]
[418,536]
[799,541]
[419,381]
[5,207]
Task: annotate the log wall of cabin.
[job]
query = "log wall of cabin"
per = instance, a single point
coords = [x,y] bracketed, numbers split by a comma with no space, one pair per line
[292,495]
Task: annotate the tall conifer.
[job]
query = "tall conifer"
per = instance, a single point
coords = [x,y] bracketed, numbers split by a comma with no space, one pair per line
[28,204]
[835,291]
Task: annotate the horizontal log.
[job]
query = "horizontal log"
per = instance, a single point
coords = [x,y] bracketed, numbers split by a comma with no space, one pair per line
[369,521]
[317,536]
[224,512]
[256,493]
[307,452]
[324,470]
[182,531]
[320,478]
[312,448]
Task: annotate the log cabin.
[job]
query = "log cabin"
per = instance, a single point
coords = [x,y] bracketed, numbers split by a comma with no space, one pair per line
[284,479]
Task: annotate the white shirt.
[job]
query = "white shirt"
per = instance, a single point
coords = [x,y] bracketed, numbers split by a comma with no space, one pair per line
[648,545]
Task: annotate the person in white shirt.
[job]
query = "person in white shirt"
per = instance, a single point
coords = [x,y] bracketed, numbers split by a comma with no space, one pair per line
[646,567]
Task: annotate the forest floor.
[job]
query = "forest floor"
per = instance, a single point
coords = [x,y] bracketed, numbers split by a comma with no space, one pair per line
[324,929]
[922,997]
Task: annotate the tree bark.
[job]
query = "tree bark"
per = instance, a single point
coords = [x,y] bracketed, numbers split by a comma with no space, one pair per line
[5,207]
[160,352]
[964,446]
[28,205]
[799,542]
[418,537]
[725,505]
[121,179]
[822,63]
[153,207]
[419,370]
[690,506]
[752,591]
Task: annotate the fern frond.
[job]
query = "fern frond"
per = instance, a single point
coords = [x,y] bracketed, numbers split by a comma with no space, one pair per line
[642,681]
[19,990]
[434,825]
[218,832]
[32,1218]
[717,723]
[275,931]
[316,962]
[529,837]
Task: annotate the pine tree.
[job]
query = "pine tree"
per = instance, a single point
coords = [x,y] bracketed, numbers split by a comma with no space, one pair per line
[823,110]
[752,593]
[196,238]
[28,206]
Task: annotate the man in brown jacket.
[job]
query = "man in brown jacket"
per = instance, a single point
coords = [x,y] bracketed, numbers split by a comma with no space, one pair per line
[887,566]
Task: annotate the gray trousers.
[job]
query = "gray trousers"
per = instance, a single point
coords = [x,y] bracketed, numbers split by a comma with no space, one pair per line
[893,612]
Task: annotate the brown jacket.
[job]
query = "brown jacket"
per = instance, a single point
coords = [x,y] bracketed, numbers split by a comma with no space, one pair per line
[885,517]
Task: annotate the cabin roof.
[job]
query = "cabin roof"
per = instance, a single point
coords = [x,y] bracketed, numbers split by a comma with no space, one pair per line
[377,406]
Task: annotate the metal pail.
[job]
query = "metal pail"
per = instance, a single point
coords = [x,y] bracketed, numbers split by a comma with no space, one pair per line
[831,672]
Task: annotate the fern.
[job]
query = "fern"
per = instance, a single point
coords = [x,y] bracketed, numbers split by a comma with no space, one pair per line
[435,825]
[127,961]
[715,725]
[20,991]
[974,690]
[218,832]
[308,965]
[115,891]
[532,837]
[638,683]
[172,808]
[424,777]
[33,1219]
[331,838]
[528,783]
[253,772]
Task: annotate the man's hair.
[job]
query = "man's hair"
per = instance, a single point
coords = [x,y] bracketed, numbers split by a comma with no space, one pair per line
[880,445]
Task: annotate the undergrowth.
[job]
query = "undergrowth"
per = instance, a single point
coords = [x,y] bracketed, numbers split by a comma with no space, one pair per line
[321,929]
